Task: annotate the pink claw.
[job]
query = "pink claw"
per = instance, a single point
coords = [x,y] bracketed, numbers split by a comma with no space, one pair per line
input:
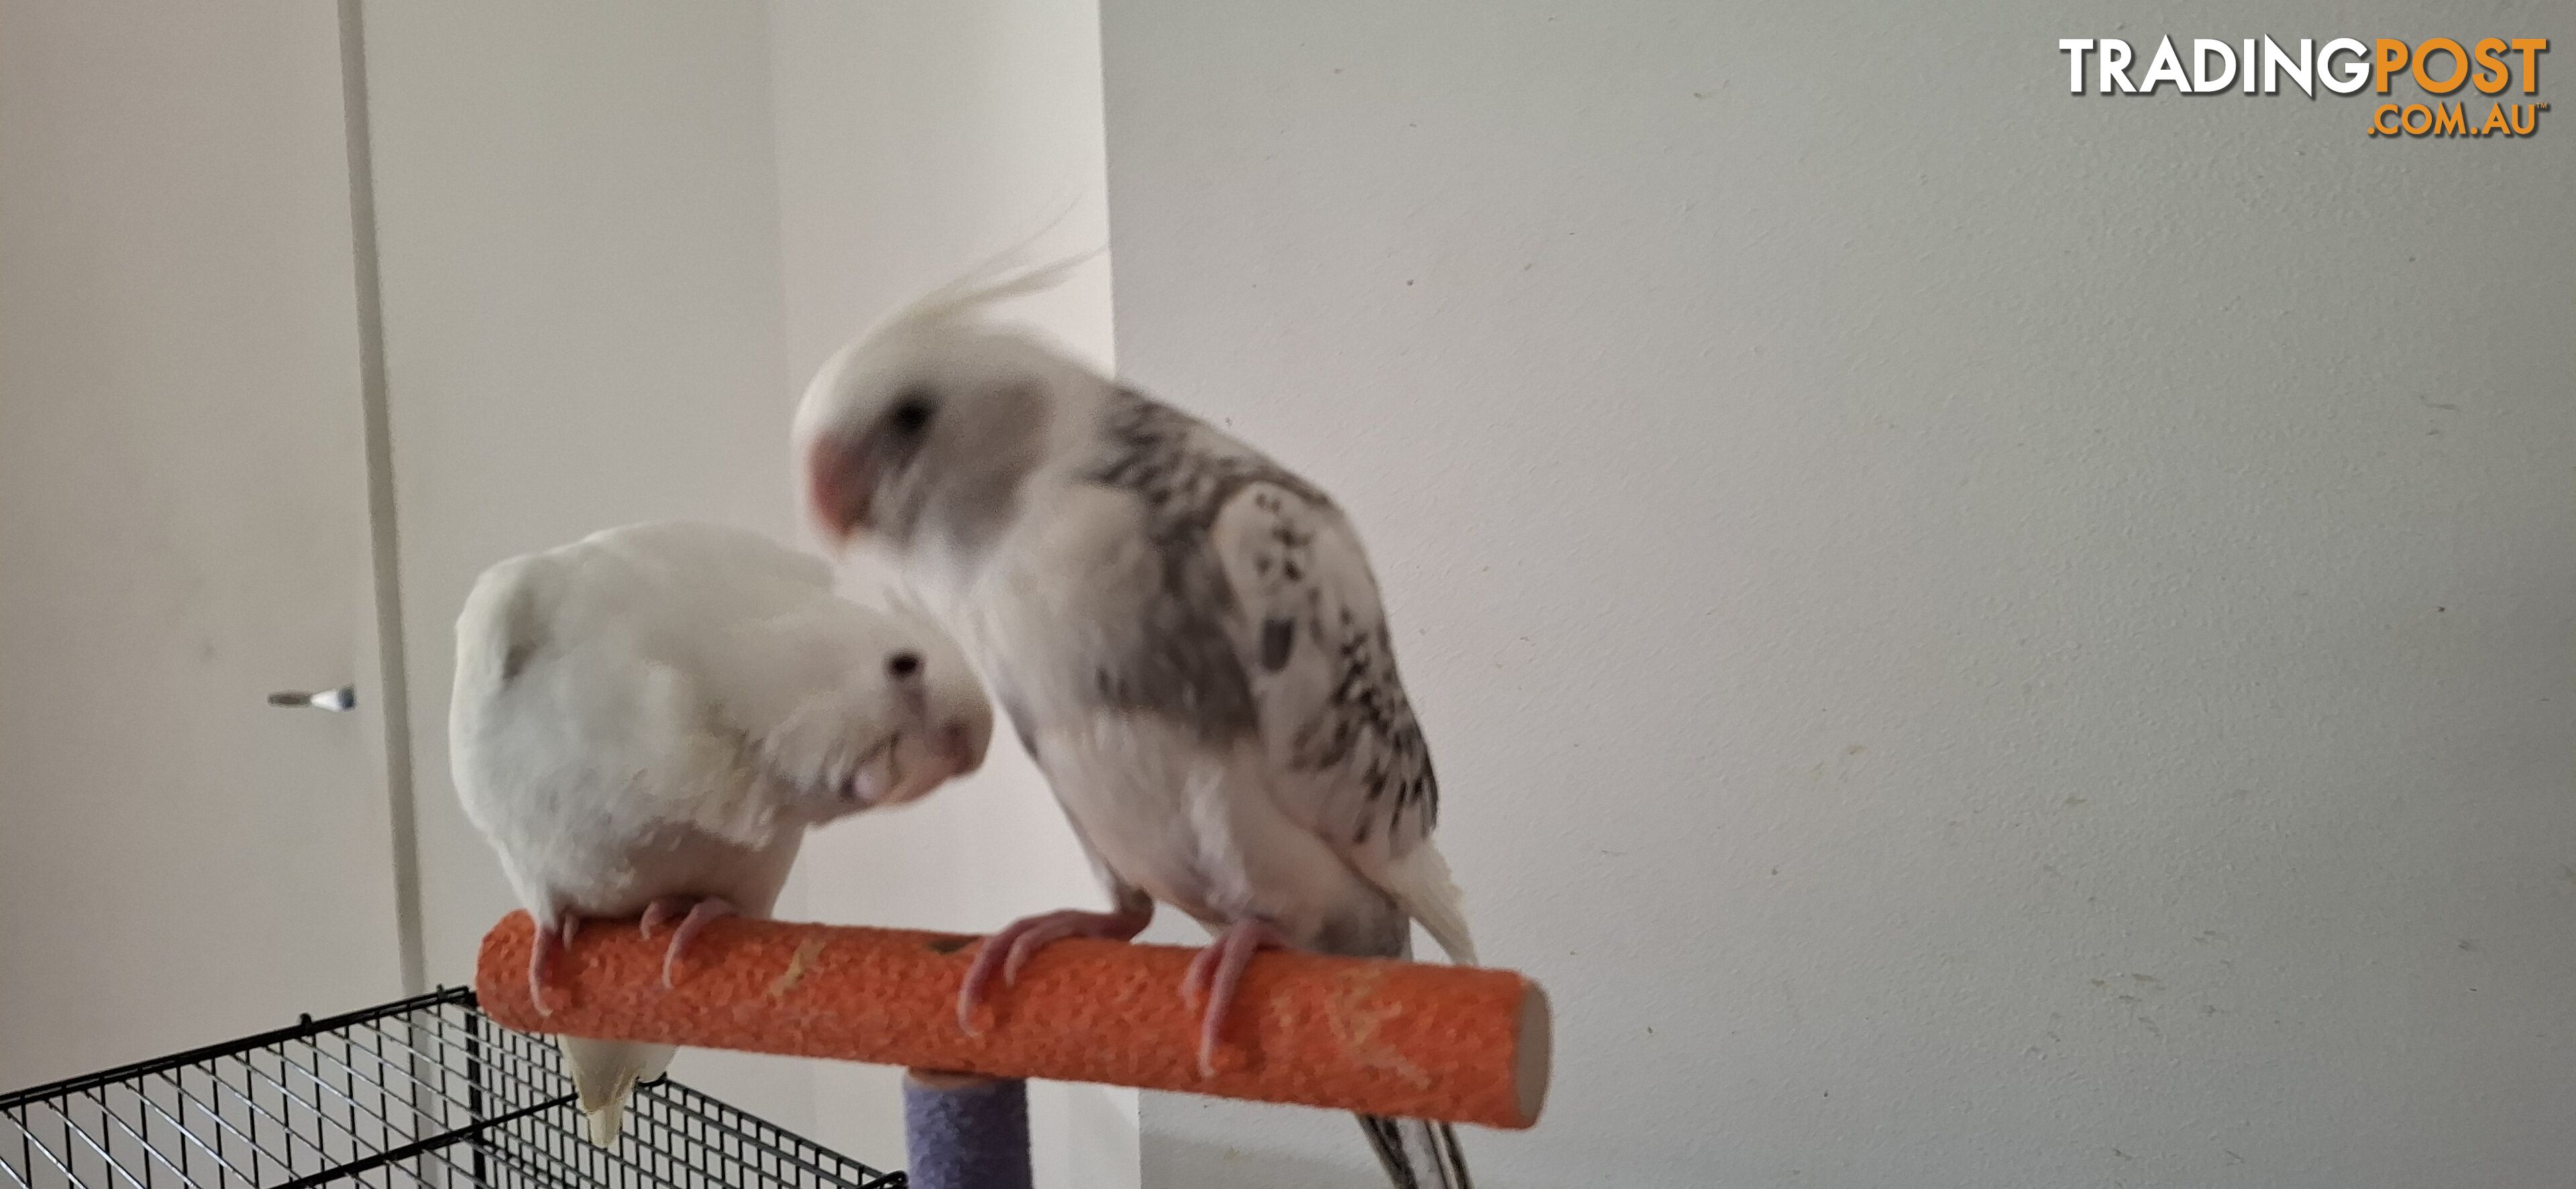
[541,955]
[698,914]
[1010,949]
[662,910]
[1214,974]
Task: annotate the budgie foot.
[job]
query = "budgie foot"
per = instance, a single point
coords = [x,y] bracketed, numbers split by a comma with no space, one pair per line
[694,913]
[541,956]
[1214,974]
[1005,952]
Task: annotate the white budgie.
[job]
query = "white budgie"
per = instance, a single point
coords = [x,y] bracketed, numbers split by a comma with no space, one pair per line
[1186,636]
[646,721]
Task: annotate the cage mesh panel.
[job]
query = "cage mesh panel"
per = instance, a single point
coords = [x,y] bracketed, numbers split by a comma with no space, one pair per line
[425,1092]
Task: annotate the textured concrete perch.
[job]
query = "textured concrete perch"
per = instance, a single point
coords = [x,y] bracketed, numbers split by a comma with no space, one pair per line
[1450,1043]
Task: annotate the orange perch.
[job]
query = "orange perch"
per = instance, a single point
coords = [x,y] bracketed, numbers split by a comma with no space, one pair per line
[1452,1043]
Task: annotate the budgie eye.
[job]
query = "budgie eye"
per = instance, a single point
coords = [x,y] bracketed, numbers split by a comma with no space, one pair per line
[911,415]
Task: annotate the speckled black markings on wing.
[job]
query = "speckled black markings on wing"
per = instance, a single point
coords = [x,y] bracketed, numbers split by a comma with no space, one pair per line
[1367,719]
[1364,726]
[1187,667]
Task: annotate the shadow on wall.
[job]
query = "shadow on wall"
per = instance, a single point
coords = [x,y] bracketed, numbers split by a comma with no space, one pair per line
[1175,1162]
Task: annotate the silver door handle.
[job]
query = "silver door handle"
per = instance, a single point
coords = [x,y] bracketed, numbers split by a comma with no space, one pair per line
[343,698]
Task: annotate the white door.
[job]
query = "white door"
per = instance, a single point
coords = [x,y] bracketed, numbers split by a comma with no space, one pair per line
[183,530]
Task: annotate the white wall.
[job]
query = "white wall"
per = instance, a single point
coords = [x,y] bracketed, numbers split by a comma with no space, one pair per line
[913,141]
[578,228]
[1973,636]
[183,529]
[616,241]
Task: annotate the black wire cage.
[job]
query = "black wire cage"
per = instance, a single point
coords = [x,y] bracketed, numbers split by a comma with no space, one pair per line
[426,1091]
